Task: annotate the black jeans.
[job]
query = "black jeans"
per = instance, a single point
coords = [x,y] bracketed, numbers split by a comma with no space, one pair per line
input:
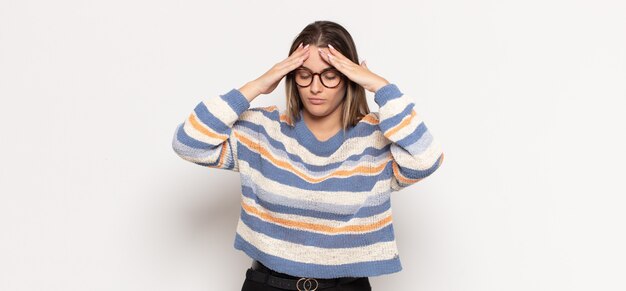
[360,284]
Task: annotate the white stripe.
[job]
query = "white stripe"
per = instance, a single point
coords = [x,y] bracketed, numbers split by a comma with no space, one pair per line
[196,155]
[316,255]
[358,221]
[311,196]
[220,109]
[407,129]
[364,161]
[198,135]
[394,106]
[350,147]
[423,161]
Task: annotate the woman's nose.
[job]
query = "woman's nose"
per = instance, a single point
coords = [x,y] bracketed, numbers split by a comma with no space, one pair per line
[316,84]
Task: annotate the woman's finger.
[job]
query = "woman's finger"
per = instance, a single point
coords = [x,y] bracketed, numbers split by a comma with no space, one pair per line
[339,59]
[327,57]
[301,55]
[294,62]
[299,51]
[341,63]
[335,53]
[295,55]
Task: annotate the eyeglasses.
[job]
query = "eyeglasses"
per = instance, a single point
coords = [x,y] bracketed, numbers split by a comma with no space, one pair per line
[330,77]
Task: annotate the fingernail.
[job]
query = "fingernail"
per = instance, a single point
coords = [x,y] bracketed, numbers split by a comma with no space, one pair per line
[300,45]
[330,46]
[306,45]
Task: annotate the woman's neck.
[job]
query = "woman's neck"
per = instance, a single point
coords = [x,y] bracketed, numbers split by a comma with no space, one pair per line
[324,127]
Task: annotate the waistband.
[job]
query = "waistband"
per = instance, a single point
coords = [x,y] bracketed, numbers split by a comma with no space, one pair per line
[261,273]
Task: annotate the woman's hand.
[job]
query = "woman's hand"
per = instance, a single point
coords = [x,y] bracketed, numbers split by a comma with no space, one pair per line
[360,74]
[266,83]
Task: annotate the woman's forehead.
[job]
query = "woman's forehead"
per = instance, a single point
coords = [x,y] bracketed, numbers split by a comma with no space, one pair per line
[322,69]
[315,62]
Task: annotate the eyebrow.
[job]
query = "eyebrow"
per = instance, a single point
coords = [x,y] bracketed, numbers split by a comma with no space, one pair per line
[322,69]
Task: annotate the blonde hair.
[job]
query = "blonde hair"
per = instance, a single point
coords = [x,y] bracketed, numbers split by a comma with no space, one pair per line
[321,33]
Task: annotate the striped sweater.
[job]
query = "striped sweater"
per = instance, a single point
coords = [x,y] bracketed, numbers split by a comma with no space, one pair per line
[313,208]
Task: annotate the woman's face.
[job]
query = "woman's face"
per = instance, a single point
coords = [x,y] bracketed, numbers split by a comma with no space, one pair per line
[331,98]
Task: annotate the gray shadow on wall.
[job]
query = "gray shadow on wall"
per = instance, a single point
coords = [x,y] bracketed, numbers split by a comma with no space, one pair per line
[197,215]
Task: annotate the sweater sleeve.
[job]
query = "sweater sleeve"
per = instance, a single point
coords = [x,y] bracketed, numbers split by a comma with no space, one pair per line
[207,136]
[416,154]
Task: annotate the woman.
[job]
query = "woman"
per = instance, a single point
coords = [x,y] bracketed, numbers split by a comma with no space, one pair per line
[316,178]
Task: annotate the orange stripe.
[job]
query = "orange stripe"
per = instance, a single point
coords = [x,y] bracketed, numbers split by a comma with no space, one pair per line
[400,177]
[370,119]
[285,118]
[313,226]
[270,108]
[401,125]
[196,124]
[223,154]
[286,165]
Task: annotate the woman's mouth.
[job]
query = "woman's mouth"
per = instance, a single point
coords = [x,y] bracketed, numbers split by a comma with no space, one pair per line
[316,101]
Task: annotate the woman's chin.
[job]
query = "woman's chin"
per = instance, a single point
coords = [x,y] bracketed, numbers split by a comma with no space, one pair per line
[321,110]
[316,112]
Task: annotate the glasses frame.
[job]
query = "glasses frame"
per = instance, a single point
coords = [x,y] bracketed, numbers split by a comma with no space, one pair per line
[341,76]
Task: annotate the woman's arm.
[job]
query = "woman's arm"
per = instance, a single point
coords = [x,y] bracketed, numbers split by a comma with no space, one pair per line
[416,154]
[207,136]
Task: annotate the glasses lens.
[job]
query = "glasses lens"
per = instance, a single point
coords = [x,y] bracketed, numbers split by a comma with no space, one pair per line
[303,78]
[329,78]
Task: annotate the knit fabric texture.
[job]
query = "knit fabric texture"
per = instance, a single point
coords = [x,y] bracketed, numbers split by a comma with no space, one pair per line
[312,208]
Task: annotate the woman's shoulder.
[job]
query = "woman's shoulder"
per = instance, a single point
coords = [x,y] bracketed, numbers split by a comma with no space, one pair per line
[370,118]
[260,110]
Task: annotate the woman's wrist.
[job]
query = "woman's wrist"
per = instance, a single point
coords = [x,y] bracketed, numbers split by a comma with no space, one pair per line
[250,91]
[380,85]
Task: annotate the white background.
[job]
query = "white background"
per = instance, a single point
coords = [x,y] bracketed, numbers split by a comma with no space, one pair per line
[525,96]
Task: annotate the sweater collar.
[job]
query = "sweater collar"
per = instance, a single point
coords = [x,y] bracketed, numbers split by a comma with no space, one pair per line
[309,141]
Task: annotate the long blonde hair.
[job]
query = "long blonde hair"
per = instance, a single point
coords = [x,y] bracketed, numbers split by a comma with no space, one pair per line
[321,33]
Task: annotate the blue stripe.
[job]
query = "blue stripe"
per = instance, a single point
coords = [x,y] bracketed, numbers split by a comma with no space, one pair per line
[413,136]
[387,93]
[308,141]
[419,174]
[340,209]
[361,269]
[236,100]
[189,141]
[421,145]
[361,130]
[283,154]
[269,171]
[310,238]
[214,123]
[188,146]
[386,124]
[365,211]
